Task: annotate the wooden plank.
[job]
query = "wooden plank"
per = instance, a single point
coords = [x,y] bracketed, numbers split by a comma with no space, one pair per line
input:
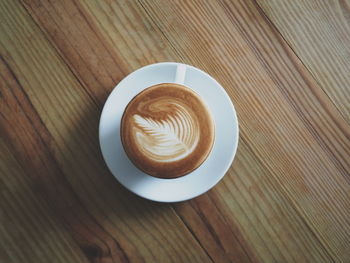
[286,119]
[97,63]
[143,33]
[249,211]
[49,122]
[319,33]
[28,227]
[290,124]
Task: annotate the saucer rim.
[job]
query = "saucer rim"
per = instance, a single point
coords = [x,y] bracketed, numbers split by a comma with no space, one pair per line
[224,169]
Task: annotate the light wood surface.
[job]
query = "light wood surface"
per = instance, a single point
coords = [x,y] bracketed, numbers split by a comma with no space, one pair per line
[285,65]
[303,24]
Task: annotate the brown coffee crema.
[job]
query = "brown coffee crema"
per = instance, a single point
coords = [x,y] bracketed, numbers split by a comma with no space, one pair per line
[167,131]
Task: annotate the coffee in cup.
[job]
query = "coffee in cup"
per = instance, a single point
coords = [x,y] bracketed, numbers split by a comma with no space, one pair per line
[167,130]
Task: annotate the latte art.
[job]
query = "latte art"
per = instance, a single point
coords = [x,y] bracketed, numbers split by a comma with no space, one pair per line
[167,130]
[169,139]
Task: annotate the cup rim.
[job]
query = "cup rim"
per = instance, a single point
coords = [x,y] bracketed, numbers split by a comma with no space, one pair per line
[201,158]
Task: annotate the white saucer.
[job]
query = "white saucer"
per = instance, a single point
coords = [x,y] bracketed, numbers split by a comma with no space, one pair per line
[193,184]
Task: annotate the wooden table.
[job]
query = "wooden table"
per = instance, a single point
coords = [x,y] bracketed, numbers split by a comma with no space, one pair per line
[285,65]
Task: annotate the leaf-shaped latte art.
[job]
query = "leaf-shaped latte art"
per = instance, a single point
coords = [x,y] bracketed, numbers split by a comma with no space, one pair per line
[170,139]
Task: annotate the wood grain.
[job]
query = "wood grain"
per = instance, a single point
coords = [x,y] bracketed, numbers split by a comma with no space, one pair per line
[304,24]
[286,197]
[107,223]
[28,226]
